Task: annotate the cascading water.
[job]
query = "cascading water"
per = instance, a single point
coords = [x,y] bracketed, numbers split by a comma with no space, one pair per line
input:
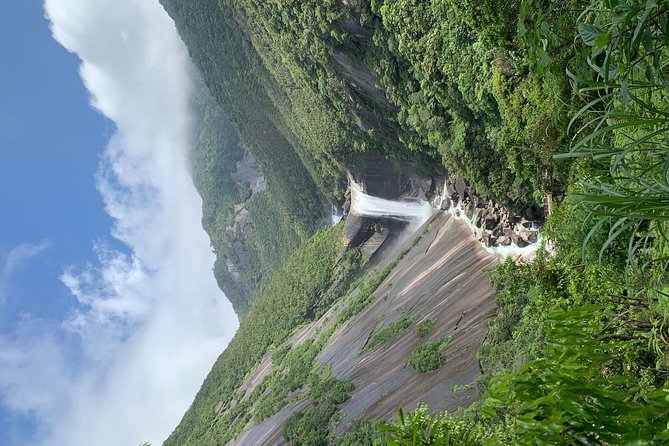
[335,215]
[416,211]
[504,251]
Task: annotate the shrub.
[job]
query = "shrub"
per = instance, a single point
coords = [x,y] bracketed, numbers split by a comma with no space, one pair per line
[427,357]
[419,428]
[387,333]
[425,328]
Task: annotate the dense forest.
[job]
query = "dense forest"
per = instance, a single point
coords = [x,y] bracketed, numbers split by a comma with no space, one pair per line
[524,100]
[252,231]
[310,88]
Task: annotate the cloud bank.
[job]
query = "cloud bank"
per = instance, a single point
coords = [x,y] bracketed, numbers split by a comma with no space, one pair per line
[149,322]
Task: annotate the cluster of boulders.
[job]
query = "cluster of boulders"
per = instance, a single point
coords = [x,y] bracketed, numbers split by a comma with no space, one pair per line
[496,226]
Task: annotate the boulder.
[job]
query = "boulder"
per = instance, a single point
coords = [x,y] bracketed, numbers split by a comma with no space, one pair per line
[504,241]
[469,209]
[531,237]
[490,222]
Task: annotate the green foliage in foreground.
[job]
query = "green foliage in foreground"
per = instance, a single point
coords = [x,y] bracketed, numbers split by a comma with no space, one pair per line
[624,125]
[418,428]
[582,387]
[428,356]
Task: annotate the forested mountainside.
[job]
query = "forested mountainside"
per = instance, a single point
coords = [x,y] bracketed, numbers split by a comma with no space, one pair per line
[249,217]
[562,104]
[410,80]
[311,87]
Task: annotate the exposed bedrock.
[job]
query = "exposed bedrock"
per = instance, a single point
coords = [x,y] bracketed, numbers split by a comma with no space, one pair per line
[441,279]
[248,172]
[399,187]
[369,232]
[393,180]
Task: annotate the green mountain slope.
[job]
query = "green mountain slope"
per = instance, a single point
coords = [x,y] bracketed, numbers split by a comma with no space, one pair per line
[295,295]
[252,231]
[311,87]
[577,350]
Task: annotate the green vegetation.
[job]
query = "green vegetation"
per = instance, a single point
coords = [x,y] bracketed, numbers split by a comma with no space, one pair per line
[600,374]
[380,335]
[361,433]
[520,99]
[310,428]
[425,328]
[255,253]
[582,387]
[464,96]
[303,289]
[579,348]
[311,88]
[293,297]
[364,294]
[330,81]
[428,356]
[419,428]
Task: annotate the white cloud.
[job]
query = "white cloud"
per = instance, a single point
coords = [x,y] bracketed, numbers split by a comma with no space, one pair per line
[16,257]
[125,366]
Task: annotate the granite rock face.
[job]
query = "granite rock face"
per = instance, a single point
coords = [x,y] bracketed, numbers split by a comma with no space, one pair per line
[248,173]
[389,180]
[359,230]
[393,180]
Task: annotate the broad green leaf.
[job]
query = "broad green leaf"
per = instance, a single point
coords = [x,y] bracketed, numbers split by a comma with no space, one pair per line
[590,33]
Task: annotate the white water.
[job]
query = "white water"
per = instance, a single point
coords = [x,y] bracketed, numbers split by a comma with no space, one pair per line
[416,211]
[512,250]
[335,216]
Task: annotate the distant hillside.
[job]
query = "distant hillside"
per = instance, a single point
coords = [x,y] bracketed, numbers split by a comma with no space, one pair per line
[435,82]
[250,220]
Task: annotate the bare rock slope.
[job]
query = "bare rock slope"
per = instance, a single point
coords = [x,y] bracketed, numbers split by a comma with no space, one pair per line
[442,278]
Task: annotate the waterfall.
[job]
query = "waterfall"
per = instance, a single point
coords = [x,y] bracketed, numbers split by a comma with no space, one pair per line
[335,215]
[416,210]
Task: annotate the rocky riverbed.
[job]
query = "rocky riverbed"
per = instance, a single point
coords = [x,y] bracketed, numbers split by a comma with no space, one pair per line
[493,225]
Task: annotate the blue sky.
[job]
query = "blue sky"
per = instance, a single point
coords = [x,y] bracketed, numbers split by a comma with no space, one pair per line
[109,312]
[51,143]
